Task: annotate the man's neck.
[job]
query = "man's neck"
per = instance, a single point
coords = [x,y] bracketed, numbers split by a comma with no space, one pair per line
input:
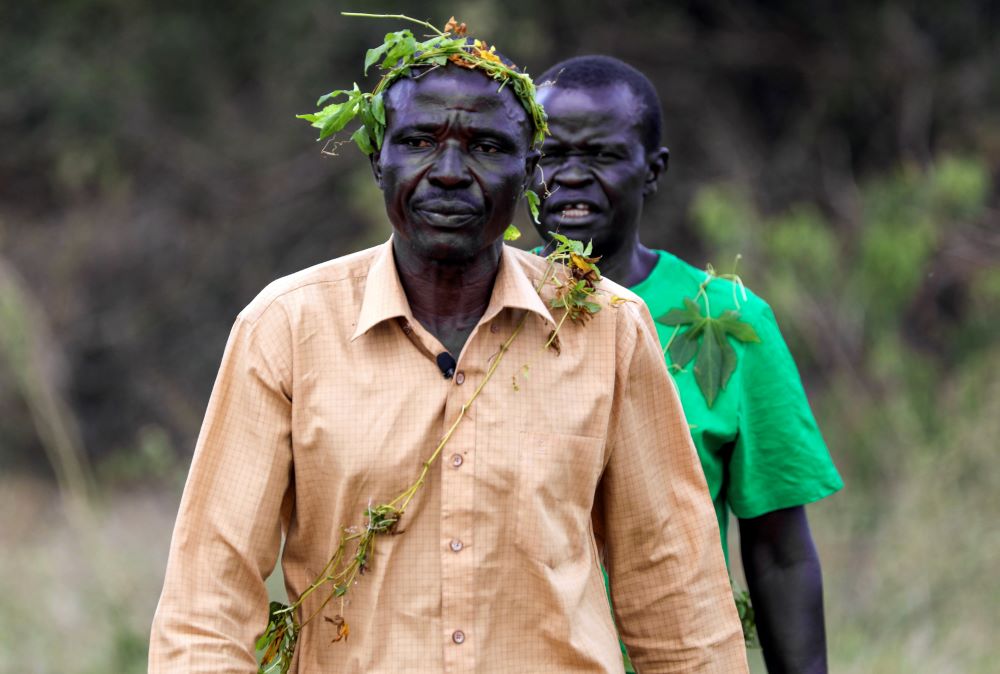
[448,299]
[629,266]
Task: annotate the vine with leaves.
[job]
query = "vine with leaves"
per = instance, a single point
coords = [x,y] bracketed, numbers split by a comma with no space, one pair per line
[706,339]
[399,54]
[574,276]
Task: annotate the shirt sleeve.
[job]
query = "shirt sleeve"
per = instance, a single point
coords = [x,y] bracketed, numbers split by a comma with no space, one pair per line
[670,590]
[779,459]
[228,531]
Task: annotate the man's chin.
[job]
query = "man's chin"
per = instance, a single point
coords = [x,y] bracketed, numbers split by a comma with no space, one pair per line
[579,228]
[452,247]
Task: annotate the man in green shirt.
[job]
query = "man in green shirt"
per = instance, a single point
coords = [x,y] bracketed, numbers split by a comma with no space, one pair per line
[762,453]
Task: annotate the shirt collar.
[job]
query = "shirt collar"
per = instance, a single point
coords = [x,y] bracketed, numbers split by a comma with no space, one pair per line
[514,289]
[384,297]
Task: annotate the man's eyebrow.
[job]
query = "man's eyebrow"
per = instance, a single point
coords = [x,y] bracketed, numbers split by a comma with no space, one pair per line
[588,143]
[480,101]
[432,126]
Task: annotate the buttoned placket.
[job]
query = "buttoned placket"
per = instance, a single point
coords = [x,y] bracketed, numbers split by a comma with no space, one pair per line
[458,582]
[456,466]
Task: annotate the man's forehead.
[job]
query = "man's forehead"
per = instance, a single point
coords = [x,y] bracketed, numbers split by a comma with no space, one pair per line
[610,97]
[433,94]
[450,87]
[606,108]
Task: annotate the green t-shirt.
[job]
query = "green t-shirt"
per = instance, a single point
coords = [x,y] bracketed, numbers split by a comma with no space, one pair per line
[759,444]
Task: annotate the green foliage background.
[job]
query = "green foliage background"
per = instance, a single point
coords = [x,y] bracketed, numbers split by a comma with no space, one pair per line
[153,179]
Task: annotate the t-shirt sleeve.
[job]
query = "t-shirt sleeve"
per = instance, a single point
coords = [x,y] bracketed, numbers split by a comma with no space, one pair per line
[779,459]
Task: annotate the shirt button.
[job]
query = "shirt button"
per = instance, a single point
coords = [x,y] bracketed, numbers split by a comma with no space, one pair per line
[406,328]
[460,378]
[456,545]
[458,636]
[494,328]
[456,460]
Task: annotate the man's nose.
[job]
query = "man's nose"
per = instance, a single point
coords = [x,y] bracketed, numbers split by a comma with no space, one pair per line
[450,169]
[572,172]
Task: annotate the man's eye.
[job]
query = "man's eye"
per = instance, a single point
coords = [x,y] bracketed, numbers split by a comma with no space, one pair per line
[488,148]
[420,143]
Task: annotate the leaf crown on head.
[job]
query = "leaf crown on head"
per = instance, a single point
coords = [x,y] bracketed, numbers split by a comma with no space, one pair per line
[399,53]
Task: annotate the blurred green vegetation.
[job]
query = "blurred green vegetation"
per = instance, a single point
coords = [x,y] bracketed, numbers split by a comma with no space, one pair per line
[154,179]
[903,379]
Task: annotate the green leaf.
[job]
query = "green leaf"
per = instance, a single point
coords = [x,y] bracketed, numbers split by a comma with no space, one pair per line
[685,346]
[716,357]
[728,358]
[361,138]
[533,204]
[691,313]
[332,94]
[592,307]
[378,108]
[589,248]
[512,233]
[374,55]
[730,322]
[708,366]
[333,118]
[570,244]
[265,638]
[401,52]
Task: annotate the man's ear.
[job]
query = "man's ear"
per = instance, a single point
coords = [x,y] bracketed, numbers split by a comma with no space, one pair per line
[376,161]
[657,162]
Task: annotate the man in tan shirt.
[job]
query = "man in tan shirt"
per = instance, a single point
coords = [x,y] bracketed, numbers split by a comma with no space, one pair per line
[331,396]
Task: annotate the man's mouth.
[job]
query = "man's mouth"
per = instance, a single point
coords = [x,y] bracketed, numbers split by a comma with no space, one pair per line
[447,214]
[572,212]
[577,210]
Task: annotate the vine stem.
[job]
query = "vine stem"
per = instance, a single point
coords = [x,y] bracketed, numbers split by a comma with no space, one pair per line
[411,492]
[367,539]
[555,333]
[395,16]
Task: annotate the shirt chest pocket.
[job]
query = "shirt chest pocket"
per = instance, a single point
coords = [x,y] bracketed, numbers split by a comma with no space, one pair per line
[557,479]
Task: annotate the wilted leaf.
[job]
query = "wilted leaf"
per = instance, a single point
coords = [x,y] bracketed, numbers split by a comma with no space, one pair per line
[343,629]
[512,233]
[455,27]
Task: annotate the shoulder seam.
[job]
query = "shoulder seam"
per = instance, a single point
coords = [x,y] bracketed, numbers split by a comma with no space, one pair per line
[259,313]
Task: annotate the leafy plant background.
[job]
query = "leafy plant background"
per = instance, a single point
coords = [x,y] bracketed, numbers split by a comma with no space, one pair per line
[153,179]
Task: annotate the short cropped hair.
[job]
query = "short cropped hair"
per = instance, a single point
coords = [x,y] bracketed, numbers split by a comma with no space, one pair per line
[587,72]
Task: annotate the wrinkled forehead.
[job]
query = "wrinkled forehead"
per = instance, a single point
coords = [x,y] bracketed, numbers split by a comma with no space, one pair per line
[451,89]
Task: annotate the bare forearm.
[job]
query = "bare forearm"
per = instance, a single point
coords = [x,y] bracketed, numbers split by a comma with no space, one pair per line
[786,587]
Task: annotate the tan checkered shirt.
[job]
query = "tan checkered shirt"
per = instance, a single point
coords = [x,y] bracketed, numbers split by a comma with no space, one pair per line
[329,399]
